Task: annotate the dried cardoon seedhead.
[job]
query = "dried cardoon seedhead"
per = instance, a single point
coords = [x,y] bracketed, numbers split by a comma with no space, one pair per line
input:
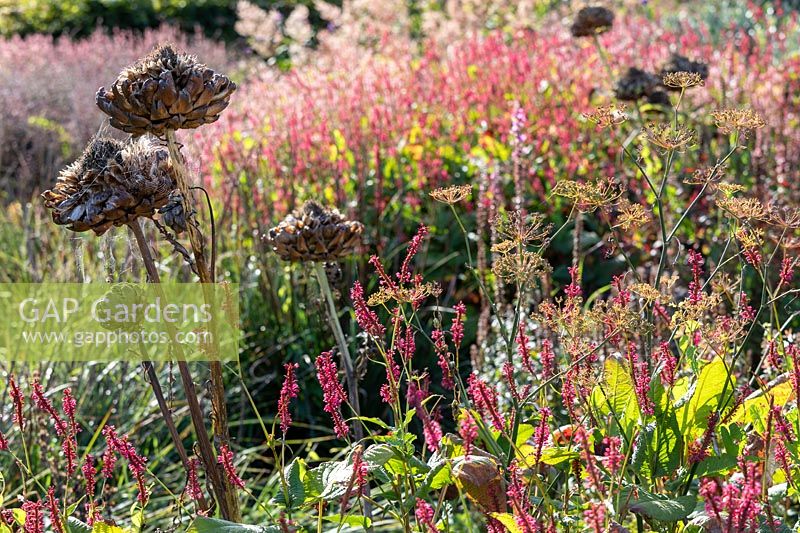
[452,194]
[659,98]
[607,116]
[111,184]
[315,233]
[589,196]
[740,120]
[681,64]
[592,20]
[636,84]
[173,213]
[668,137]
[165,91]
[682,80]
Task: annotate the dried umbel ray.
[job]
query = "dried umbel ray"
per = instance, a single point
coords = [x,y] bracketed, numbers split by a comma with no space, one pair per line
[592,21]
[165,91]
[111,184]
[315,233]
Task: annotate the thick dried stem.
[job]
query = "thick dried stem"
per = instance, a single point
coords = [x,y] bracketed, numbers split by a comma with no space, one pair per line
[219,484]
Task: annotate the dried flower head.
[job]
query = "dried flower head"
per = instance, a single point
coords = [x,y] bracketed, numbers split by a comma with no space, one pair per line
[173,213]
[413,294]
[165,91]
[315,233]
[521,228]
[729,189]
[631,216]
[111,184]
[452,194]
[589,196]
[647,292]
[706,176]
[742,208]
[522,268]
[607,116]
[784,216]
[668,137]
[739,120]
[679,63]
[636,84]
[592,20]
[504,247]
[682,80]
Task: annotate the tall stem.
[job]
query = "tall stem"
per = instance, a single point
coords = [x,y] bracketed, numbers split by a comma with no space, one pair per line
[218,482]
[204,271]
[347,363]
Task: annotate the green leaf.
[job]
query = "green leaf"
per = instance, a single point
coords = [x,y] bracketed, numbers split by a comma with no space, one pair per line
[556,456]
[137,517]
[615,394]
[693,415]
[351,520]
[378,454]
[102,527]
[215,525]
[663,509]
[76,526]
[507,519]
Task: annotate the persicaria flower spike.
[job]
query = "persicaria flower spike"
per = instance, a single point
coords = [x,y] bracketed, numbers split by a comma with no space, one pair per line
[332,391]
[19,402]
[225,458]
[289,391]
[366,317]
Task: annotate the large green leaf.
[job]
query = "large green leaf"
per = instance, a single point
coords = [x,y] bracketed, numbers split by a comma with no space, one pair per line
[215,525]
[361,522]
[665,510]
[295,490]
[657,507]
[692,416]
[616,394]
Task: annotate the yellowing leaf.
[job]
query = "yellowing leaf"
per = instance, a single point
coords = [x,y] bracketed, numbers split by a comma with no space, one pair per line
[507,519]
[615,393]
[693,415]
[778,395]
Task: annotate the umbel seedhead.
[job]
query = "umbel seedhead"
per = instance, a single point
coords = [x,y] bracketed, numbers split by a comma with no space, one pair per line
[111,184]
[165,91]
[315,233]
[592,20]
[678,63]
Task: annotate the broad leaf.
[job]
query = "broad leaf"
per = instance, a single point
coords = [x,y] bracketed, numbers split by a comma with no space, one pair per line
[215,525]
[507,519]
[616,394]
[693,415]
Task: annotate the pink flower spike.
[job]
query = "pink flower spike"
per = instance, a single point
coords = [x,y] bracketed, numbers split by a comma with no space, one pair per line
[289,390]
[225,458]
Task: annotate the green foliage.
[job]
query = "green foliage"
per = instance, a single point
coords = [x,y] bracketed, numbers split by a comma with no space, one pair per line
[80,17]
